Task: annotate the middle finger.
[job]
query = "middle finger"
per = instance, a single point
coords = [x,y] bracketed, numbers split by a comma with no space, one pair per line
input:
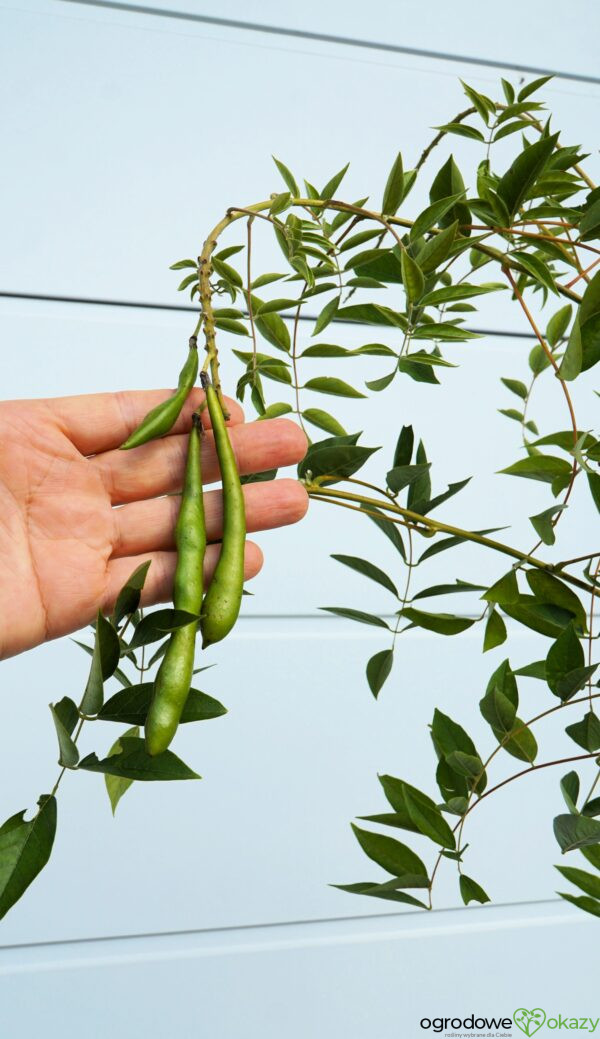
[157,468]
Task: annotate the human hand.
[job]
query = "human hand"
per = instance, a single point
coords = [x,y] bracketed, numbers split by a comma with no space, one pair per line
[65,550]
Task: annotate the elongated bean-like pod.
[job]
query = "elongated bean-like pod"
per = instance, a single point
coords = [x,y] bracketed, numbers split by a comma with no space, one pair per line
[224,596]
[162,418]
[174,676]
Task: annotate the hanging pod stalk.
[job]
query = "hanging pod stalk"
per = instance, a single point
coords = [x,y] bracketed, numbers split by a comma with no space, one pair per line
[162,418]
[224,596]
[174,676]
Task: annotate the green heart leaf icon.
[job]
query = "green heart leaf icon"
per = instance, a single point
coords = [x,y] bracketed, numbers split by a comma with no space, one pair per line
[529,1021]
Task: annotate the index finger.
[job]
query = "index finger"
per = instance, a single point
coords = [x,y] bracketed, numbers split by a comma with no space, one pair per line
[97,422]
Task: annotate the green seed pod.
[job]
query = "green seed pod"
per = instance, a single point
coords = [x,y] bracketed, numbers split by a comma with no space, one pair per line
[224,596]
[162,418]
[174,677]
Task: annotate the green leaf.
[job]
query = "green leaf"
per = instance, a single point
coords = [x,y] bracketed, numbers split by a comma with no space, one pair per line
[558,324]
[427,817]
[520,742]
[549,589]
[538,270]
[588,882]
[462,130]
[335,387]
[495,632]
[227,324]
[524,171]
[134,762]
[591,807]
[515,386]
[275,410]
[378,670]
[402,476]
[388,528]
[359,239]
[280,203]
[375,890]
[322,420]
[441,623]
[25,848]
[448,181]
[594,486]
[372,314]
[471,891]
[586,733]
[542,523]
[498,711]
[437,249]
[569,786]
[412,277]
[588,321]
[128,598]
[576,831]
[506,590]
[337,457]
[105,658]
[420,490]
[273,305]
[545,618]
[394,188]
[327,314]
[273,328]
[116,786]
[362,566]
[287,176]
[266,279]
[589,905]
[357,615]
[446,589]
[181,264]
[62,717]
[131,706]
[393,856]
[529,88]
[508,128]
[156,625]
[468,765]
[394,791]
[545,468]
[404,447]
[424,507]
[451,293]
[332,185]
[224,270]
[432,215]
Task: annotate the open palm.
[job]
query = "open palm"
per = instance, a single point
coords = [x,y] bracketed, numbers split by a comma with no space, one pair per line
[66,549]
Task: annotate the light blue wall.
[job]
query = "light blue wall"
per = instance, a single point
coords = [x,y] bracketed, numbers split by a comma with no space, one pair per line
[126,136]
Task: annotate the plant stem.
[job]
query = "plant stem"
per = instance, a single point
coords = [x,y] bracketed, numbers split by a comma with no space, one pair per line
[314,490]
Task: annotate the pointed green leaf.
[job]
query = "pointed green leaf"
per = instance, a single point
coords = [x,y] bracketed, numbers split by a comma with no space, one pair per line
[393,856]
[394,188]
[25,848]
[362,566]
[471,891]
[116,786]
[576,831]
[105,658]
[131,705]
[523,173]
[134,762]
[356,615]
[378,670]
[495,632]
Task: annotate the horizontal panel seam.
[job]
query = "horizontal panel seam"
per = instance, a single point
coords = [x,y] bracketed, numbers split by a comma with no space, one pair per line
[355,918]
